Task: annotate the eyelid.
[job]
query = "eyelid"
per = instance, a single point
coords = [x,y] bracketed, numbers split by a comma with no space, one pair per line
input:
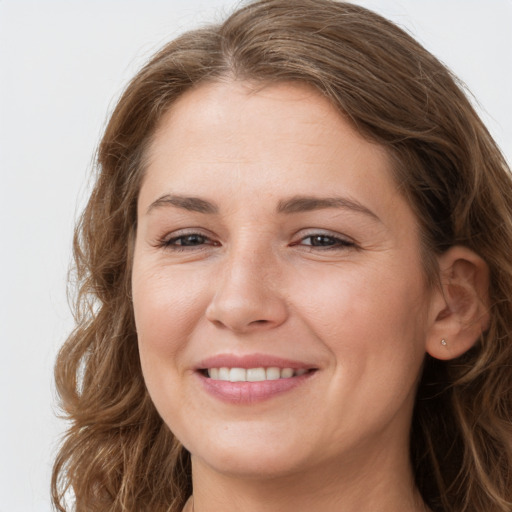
[343,241]
[340,241]
[167,241]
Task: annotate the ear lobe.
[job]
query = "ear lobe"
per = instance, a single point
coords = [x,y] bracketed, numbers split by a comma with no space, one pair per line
[461,305]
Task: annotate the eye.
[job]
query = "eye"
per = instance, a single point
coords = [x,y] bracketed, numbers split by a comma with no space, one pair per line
[188,241]
[325,241]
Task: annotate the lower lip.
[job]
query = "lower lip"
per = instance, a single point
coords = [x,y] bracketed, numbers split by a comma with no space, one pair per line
[251,392]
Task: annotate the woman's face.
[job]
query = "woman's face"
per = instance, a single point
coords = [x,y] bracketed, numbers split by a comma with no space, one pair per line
[272,244]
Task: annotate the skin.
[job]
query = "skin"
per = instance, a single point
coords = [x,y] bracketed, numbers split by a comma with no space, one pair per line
[358,310]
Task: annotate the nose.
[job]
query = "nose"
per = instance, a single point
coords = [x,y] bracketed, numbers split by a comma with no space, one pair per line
[247,296]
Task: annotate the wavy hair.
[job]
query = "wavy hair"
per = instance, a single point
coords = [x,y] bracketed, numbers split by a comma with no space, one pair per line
[118,455]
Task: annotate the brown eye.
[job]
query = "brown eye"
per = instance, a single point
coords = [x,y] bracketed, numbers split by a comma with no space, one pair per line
[322,241]
[325,241]
[188,240]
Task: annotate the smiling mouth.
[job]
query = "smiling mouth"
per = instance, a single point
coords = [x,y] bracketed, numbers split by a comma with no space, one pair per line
[253,374]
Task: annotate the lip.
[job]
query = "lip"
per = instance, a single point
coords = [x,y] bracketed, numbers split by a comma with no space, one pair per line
[251,392]
[251,361]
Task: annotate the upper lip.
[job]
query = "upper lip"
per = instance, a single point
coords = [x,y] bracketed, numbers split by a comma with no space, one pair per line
[251,361]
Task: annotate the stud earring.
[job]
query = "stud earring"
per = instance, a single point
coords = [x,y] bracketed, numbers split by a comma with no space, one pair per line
[443,342]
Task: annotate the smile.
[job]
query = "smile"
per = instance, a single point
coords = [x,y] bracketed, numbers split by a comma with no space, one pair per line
[253,374]
[246,379]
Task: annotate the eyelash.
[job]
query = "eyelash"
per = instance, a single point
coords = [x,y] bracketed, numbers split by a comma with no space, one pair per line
[171,243]
[336,242]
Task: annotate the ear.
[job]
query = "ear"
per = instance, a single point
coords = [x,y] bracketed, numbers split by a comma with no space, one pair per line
[460,306]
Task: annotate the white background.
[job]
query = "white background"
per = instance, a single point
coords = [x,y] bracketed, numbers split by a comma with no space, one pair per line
[62,66]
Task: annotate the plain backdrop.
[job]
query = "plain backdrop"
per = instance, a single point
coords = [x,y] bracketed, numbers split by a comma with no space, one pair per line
[62,66]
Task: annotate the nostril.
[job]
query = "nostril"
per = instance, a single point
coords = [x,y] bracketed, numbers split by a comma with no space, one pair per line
[242,311]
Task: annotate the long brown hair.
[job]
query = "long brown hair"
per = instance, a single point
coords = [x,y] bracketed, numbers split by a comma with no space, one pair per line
[118,455]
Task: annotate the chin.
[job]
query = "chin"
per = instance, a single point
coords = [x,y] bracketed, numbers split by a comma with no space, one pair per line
[252,466]
[250,455]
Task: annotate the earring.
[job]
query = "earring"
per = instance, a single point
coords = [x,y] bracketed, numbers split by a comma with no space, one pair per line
[443,342]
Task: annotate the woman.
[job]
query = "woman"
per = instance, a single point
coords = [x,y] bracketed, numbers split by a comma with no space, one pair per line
[295,280]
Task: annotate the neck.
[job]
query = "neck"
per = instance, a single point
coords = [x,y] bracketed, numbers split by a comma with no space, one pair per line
[329,488]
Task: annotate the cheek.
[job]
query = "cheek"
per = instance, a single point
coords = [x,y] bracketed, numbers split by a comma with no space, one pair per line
[363,296]
[167,307]
[375,335]
[371,321]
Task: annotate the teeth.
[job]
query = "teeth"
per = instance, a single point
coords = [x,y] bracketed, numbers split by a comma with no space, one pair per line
[237,375]
[253,374]
[273,373]
[223,374]
[256,374]
[286,373]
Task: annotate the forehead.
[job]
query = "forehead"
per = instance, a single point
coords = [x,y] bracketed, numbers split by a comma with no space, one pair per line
[289,113]
[280,138]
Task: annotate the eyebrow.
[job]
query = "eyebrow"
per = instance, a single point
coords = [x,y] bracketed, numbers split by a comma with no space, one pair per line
[296,204]
[300,204]
[192,204]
